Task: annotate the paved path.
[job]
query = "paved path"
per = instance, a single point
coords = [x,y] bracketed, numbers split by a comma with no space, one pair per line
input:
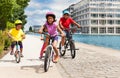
[30,66]
[91,62]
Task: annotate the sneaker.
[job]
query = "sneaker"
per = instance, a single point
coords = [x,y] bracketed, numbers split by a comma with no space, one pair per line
[40,57]
[11,53]
[21,55]
[56,58]
[62,48]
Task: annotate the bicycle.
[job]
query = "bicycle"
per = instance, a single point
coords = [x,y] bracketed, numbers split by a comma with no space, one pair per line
[49,53]
[17,53]
[69,42]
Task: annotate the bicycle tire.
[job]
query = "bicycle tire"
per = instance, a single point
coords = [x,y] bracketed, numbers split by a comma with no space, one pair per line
[47,59]
[17,56]
[62,53]
[72,49]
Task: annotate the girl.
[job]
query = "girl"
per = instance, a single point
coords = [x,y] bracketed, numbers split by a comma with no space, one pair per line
[52,28]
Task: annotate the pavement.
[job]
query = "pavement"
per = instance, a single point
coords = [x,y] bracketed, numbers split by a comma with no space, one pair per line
[30,65]
[90,62]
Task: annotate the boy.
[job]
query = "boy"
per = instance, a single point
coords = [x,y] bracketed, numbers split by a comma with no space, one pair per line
[17,35]
[64,23]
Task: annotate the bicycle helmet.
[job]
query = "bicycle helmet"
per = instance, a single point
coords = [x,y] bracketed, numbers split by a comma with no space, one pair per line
[66,12]
[50,14]
[17,22]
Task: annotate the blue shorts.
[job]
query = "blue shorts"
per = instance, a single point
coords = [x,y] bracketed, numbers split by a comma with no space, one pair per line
[55,38]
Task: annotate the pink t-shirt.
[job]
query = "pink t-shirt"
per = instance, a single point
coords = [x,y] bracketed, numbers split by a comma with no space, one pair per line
[52,29]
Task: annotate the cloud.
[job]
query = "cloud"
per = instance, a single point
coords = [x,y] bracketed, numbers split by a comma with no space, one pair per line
[37,9]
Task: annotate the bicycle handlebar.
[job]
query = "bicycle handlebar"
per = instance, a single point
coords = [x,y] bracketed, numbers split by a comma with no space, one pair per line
[49,34]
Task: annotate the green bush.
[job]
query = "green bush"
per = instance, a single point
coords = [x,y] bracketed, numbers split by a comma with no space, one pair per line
[1,42]
[7,40]
[4,41]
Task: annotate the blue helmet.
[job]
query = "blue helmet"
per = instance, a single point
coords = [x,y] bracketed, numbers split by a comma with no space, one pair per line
[66,12]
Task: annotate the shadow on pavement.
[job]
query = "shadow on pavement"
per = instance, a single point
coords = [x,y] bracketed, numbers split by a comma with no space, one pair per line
[37,68]
[12,61]
[66,57]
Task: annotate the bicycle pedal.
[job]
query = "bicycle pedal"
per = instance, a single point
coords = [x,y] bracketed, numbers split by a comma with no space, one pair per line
[68,49]
[77,49]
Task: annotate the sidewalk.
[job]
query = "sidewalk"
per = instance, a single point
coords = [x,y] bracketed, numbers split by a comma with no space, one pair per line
[91,62]
[30,66]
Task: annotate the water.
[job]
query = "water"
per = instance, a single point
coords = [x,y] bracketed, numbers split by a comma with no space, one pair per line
[99,40]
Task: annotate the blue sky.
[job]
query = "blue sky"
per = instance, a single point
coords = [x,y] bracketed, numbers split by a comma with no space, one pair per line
[37,9]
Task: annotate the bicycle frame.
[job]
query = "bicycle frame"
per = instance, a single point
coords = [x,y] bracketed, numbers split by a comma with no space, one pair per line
[52,50]
[17,52]
[17,46]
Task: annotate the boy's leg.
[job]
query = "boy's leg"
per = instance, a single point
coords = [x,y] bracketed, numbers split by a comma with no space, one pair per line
[12,47]
[21,48]
[63,42]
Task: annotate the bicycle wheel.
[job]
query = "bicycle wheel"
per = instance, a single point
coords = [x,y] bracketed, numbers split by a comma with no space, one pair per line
[72,49]
[47,59]
[17,56]
[62,53]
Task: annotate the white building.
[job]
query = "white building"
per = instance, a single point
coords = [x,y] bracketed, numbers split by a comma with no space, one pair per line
[97,16]
[36,28]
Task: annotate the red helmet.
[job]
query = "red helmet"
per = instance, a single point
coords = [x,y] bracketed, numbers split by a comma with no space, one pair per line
[50,14]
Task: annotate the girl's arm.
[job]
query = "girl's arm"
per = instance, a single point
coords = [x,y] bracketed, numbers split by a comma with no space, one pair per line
[41,29]
[62,33]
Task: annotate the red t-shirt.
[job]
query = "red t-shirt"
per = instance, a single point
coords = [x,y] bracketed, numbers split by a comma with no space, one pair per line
[66,22]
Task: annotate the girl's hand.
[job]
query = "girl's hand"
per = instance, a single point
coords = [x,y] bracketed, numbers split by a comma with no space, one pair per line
[62,35]
[41,38]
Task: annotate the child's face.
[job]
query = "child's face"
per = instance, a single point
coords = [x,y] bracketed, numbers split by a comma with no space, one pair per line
[50,19]
[18,27]
[66,16]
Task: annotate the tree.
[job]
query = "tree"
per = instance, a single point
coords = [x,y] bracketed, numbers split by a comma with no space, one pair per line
[5,12]
[11,10]
[30,29]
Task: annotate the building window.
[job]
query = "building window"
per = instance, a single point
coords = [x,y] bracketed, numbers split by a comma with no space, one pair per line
[102,5]
[110,15]
[110,10]
[111,30]
[109,4]
[102,10]
[110,22]
[94,30]
[117,29]
[94,15]
[102,15]
[94,9]
[117,21]
[102,30]
[85,30]
[117,15]
[117,10]
[102,22]
[94,22]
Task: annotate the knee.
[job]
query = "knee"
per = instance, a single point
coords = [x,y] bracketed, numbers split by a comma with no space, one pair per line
[54,46]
